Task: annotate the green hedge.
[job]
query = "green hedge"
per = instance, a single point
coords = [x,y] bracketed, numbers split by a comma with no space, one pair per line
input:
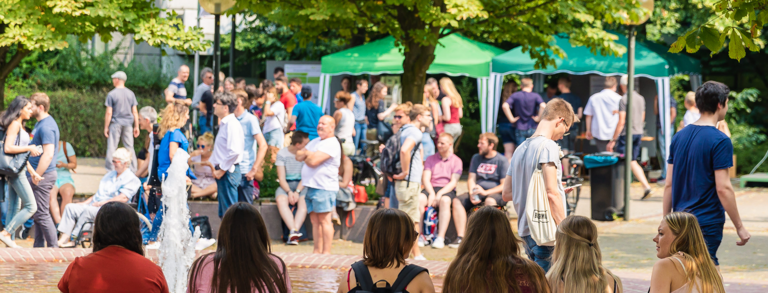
[80,116]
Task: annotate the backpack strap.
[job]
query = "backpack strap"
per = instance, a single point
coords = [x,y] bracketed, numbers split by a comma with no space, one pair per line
[363,276]
[406,276]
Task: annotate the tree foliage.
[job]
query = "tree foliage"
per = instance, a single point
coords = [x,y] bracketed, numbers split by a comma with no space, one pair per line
[739,22]
[418,25]
[43,25]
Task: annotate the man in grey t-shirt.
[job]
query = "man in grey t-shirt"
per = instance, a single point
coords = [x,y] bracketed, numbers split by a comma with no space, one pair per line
[619,140]
[408,182]
[557,117]
[121,121]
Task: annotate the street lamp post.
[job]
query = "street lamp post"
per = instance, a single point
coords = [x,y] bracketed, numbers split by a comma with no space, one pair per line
[216,7]
[648,5]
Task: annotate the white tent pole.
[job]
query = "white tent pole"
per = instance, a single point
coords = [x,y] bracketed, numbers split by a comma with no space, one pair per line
[482,91]
[498,82]
[667,113]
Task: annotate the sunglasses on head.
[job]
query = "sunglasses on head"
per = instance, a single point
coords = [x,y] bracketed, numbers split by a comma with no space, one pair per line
[498,207]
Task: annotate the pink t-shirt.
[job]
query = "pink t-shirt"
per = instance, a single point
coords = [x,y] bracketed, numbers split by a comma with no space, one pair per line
[203,281]
[442,169]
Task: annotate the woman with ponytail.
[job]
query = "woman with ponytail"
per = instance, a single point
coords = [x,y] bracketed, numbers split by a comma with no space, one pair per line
[685,265]
[577,262]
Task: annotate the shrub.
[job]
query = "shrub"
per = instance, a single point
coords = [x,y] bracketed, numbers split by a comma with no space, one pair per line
[269,184]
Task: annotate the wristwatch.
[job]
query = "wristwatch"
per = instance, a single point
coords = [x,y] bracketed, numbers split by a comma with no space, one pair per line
[216,167]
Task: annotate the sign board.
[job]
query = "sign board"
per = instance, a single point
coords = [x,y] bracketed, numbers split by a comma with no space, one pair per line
[309,75]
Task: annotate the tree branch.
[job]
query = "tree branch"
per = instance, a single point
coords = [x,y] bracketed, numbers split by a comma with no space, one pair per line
[15,60]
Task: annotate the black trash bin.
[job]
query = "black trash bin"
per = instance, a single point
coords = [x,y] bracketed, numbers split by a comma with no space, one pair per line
[606,176]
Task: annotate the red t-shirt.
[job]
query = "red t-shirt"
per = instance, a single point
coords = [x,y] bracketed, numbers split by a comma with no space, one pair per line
[113,269]
[289,100]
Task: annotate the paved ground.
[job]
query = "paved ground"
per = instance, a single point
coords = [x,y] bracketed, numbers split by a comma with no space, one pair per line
[627,247]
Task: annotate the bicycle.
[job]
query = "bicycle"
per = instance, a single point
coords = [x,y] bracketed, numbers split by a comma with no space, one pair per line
[574,178]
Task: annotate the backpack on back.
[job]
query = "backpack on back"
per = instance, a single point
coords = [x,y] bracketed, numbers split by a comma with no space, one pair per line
[366,285]
[390,156]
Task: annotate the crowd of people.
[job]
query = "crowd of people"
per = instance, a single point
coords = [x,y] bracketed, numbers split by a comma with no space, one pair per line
[242,127]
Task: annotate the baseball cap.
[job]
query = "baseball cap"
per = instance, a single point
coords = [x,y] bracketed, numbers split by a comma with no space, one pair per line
[306,91]
[120,75]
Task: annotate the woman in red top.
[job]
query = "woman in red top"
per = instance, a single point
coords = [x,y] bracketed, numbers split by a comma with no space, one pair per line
[453,108]
[243,261]
[489,259]
[117,263]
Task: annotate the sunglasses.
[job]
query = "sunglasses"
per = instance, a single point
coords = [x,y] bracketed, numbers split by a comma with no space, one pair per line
[116,161]
[398,117]
[200,146]
[498,207]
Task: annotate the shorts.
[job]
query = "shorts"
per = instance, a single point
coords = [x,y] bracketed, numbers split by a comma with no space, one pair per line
[713,236]
[621,145]
[292,184]
[468,205]
[408,198]
[522,135]
[275,138]
[320,201]
[451,194]
[348,147]
[568,143]
[61,180]
[506,132]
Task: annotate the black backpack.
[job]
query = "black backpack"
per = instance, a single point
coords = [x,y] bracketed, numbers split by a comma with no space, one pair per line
[390,156]
[366,285]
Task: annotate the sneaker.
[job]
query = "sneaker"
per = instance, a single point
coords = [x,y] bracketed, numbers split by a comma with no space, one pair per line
[647,194]
[23,233]
[419,257]
[455,243]
[420,243]
[661,182]
[155,245]
[292,242]
[8,242]
[439,243]
[294,237]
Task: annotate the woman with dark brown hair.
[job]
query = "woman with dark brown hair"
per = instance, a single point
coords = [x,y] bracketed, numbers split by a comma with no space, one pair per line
[117,261]
[243,261]
[389,238]
[489,259]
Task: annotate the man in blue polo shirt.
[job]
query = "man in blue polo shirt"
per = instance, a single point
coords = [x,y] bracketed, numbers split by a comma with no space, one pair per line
[306,115]
[46,134]
[699,158]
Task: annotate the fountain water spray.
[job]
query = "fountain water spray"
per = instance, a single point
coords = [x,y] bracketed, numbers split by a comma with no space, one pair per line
[177,244]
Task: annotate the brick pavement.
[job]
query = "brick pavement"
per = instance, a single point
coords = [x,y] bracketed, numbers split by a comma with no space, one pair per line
[633,282]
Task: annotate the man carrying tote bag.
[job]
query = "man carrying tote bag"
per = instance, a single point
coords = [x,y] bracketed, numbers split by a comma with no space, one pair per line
[533,182]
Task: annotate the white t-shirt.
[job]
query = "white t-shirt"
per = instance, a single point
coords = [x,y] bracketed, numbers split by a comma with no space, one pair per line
[278,120]
[603,107]
[690,117]
[326,175]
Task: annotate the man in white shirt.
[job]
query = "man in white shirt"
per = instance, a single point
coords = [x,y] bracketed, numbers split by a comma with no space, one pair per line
[227,150]
[255,147]
[602,113]
[320,175]
[557,118]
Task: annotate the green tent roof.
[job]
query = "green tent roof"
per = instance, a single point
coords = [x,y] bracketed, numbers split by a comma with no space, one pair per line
[454,55]
[651,60]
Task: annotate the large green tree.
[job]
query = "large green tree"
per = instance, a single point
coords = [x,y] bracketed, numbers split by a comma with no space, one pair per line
[43,25]
[418,25]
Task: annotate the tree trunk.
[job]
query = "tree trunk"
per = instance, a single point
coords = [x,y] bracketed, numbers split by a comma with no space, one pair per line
[7,67]
[418,58]
[2,93]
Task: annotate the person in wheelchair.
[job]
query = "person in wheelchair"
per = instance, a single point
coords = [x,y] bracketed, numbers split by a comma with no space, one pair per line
[118,185]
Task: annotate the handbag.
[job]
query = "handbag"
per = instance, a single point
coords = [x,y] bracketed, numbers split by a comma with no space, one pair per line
[12,165]
[361,196]
[537,210]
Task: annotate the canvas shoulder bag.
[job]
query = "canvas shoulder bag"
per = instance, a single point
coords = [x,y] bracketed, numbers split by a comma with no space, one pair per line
[540,221]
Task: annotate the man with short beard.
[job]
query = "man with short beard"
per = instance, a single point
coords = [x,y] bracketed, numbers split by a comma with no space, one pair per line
[46,133]
[320,175]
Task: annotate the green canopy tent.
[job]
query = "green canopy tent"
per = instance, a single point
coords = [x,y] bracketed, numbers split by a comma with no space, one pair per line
[651,61]
[455,55]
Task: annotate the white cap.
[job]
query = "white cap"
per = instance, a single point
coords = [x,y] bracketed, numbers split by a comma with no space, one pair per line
[120,75]
[624,80]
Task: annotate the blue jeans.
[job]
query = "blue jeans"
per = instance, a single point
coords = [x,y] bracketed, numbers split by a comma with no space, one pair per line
[713,236]
[428,145]
[320,201]
[203,124]
[227,188]
[4,211]
[21,202]
[522,135]
[245,190]
[275,138]
[360,129]
[541,255]
[390,193]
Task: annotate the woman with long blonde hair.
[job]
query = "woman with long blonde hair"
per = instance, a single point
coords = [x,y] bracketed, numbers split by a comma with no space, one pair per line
[577,261]
[489,259]
[685,265]
[453,108]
